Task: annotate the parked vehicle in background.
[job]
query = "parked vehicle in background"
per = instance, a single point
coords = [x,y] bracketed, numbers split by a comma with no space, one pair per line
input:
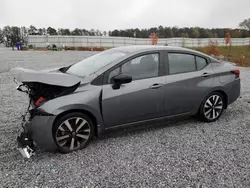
[120,87]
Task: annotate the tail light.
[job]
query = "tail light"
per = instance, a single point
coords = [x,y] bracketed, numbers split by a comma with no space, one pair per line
[39,101]
[236,73]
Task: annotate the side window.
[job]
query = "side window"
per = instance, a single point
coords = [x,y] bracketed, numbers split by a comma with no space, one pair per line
[142,67]
[201,63]
[181,63]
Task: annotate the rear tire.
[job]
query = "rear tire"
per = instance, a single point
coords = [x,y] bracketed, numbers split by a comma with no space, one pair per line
[212,107]
[73,132]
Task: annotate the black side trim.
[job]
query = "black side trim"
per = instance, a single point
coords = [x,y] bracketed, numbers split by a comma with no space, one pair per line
[148,121]
[98,81]
[100,103]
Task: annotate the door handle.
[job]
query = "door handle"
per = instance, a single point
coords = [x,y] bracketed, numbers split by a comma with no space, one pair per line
[205,74]
[156,86]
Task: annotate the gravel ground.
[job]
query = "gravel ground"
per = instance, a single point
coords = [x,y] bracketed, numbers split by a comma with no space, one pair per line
[185,153]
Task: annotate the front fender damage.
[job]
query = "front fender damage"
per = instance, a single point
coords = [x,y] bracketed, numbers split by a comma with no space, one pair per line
[41,87]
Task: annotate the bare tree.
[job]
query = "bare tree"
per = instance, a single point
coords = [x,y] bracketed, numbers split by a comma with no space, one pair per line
[1,36]
[62,31]
[245,24]
[51,31]
[32,30]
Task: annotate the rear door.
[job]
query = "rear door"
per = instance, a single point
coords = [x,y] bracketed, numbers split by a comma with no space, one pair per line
[143,98]
[189,78]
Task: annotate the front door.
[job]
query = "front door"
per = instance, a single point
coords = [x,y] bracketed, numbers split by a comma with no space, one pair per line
[140,100]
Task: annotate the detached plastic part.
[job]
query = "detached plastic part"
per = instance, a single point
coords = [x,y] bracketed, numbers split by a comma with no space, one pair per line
[25,145]
[26,152]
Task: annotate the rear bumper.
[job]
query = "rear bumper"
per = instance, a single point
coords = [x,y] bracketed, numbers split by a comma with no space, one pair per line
[234,93]
[40,130]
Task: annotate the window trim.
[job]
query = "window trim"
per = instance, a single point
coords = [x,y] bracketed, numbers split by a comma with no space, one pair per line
[161,68]
[186,53]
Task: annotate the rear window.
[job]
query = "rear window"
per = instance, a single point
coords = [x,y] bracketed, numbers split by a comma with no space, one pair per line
[201,63]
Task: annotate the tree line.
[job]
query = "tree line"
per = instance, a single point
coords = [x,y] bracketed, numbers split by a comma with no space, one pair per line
[11,35]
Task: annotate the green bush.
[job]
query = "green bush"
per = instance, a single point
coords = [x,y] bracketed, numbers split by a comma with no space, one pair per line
[24,48]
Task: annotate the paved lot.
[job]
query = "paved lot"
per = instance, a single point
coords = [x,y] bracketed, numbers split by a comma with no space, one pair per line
[184,153]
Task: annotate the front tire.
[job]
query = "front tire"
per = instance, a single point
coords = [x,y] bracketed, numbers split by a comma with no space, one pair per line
[73,132]
[212,107]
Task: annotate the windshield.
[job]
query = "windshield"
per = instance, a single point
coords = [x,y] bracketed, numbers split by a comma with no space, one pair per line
[94,63]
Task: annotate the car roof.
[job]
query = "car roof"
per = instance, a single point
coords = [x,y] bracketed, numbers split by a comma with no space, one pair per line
[144,48]
[138,48]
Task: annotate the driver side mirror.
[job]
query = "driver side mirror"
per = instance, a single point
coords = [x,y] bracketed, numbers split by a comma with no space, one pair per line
[121,79]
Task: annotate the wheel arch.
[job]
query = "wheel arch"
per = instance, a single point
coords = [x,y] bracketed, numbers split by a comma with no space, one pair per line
[97,119]
[221,91]
[200,113]
[225,97]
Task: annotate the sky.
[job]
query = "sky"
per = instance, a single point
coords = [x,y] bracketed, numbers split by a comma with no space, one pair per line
[108,15]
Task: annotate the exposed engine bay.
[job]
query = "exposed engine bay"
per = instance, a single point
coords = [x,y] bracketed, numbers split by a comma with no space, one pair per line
[40,92]
[40,87]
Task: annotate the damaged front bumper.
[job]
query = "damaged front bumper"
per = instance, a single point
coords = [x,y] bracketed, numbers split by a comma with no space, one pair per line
[26,145]
[37,132]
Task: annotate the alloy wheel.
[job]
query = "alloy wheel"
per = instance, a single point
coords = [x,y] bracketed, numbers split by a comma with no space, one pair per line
[213,107]
[72,133]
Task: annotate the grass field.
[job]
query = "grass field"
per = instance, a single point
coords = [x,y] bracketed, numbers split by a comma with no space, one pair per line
[238,54]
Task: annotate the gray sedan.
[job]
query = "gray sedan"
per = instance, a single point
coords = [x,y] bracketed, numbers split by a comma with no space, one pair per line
[120,87]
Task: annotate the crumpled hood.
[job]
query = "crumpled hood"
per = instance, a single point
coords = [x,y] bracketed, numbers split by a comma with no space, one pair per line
[49,76]
[51,70]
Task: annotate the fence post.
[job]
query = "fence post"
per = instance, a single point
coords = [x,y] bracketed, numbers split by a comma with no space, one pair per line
[113,42]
